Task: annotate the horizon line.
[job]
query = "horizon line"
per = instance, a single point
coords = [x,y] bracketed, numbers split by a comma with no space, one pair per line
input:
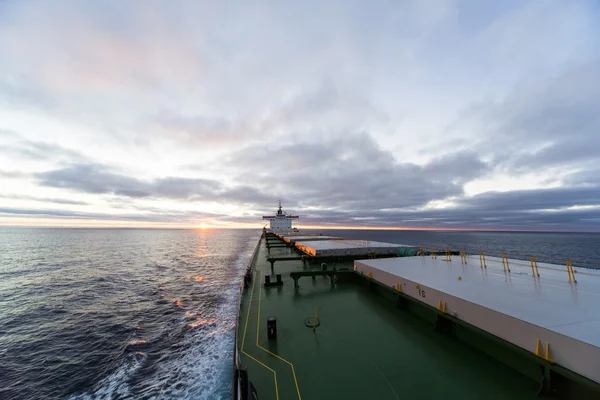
[308,227]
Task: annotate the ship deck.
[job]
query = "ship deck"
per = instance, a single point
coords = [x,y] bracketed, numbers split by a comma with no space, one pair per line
[362,347]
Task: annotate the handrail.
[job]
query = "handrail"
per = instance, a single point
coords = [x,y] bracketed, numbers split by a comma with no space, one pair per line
[515,256]
[518,256]
[236,361]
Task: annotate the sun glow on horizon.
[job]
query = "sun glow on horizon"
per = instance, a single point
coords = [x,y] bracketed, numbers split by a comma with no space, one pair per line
[56,223]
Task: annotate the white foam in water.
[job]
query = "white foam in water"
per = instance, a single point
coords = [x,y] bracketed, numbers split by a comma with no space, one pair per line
[201,371]
[114,385]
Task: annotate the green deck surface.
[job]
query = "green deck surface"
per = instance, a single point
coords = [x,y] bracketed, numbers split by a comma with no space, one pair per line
[363,347]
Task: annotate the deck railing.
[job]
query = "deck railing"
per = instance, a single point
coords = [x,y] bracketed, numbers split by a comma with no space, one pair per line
[236,359]
[508,259]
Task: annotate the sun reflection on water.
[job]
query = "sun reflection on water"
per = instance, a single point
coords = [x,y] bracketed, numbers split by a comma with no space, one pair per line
[204,320]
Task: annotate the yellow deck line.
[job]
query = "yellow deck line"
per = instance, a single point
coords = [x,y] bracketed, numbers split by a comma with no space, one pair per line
[273,354]
[274,373]
[244,339]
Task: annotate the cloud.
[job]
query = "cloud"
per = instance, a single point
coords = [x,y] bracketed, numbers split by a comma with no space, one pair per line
[549,123]
[316,107]
[18,146]
[198,130]
[353,172]
[43,199]
[535,200]
[535,209]
[41,150]
[188,216]
[522,211]
[13,174]
[99,179]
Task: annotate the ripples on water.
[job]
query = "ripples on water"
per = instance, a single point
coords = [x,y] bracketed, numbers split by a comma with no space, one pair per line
[117,313]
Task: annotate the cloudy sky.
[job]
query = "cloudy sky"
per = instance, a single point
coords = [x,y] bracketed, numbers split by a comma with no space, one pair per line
[435,114]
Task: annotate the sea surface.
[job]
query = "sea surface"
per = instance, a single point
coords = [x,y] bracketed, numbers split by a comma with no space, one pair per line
[150,314]
[119,313]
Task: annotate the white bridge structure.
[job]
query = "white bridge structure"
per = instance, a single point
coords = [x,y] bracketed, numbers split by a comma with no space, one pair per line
[281,222]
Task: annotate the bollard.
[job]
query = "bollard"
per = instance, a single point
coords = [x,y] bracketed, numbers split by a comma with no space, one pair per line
[272,328]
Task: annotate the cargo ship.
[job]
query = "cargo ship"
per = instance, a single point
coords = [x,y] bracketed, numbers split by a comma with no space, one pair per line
[323,317]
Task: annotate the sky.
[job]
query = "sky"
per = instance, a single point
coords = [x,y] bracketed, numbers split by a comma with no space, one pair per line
[440,114]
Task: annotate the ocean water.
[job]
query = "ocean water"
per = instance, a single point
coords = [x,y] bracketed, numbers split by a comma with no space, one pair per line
[119,313]
[149,314]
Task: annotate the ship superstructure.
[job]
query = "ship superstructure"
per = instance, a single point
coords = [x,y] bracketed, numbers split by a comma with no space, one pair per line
[280,222]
